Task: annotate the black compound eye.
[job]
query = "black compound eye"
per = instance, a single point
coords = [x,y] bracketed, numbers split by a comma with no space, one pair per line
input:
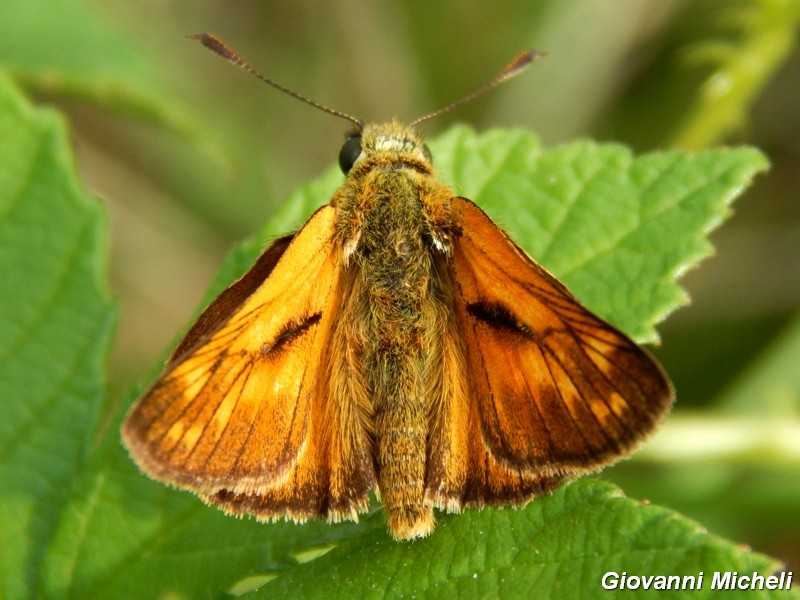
[427,152]
[349,153]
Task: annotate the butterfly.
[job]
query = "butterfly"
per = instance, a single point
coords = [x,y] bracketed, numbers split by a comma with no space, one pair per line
[401,343]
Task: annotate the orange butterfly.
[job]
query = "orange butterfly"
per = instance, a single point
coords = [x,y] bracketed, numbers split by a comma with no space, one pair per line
[400,342]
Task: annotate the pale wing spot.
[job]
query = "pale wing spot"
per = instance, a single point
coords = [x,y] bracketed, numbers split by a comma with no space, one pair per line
[193,380]
[174,435]
[568,392]
[224,411]
[619,406]
[601,410]
[191,436]
[616,402]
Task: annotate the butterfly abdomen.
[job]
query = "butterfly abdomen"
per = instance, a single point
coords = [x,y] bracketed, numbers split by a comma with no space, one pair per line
[398,312]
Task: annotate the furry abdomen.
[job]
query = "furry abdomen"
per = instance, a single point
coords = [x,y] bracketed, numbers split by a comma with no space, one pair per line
[397,303]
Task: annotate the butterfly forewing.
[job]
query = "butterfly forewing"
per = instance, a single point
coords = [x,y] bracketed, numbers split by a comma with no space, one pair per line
[225,305]
[552,390]
[241,409]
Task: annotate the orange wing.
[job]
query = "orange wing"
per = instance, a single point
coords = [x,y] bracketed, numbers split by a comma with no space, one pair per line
[551,390]
[244,414]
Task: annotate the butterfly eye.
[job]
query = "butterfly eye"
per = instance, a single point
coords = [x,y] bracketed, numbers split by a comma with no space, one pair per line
[349,153]
[427,152]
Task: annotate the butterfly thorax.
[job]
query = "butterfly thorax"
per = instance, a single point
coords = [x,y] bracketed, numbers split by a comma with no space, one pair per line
[392,223]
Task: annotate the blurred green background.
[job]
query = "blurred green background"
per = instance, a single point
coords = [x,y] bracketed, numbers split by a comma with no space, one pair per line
[191,155]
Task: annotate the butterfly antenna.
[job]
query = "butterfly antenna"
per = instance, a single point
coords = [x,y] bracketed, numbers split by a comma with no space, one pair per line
[515,67]
[215,44]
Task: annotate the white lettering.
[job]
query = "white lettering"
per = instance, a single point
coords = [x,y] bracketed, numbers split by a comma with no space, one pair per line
[689,582]
[610,580]
[721,581]
[613,580]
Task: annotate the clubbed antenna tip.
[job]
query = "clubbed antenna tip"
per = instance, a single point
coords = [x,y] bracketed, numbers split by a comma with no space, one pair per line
[215,44]
[518,64]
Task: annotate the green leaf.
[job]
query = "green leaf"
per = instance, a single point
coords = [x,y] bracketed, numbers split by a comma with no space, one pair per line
[558,547]
[113,533]
[55,326]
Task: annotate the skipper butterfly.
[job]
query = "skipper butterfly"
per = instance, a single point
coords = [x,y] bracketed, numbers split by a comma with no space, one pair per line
[400,342]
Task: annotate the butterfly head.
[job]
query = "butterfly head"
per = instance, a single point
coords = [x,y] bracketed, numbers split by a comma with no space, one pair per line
[384,144]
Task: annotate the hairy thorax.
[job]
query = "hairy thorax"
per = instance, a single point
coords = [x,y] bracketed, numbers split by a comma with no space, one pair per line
[393,244]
